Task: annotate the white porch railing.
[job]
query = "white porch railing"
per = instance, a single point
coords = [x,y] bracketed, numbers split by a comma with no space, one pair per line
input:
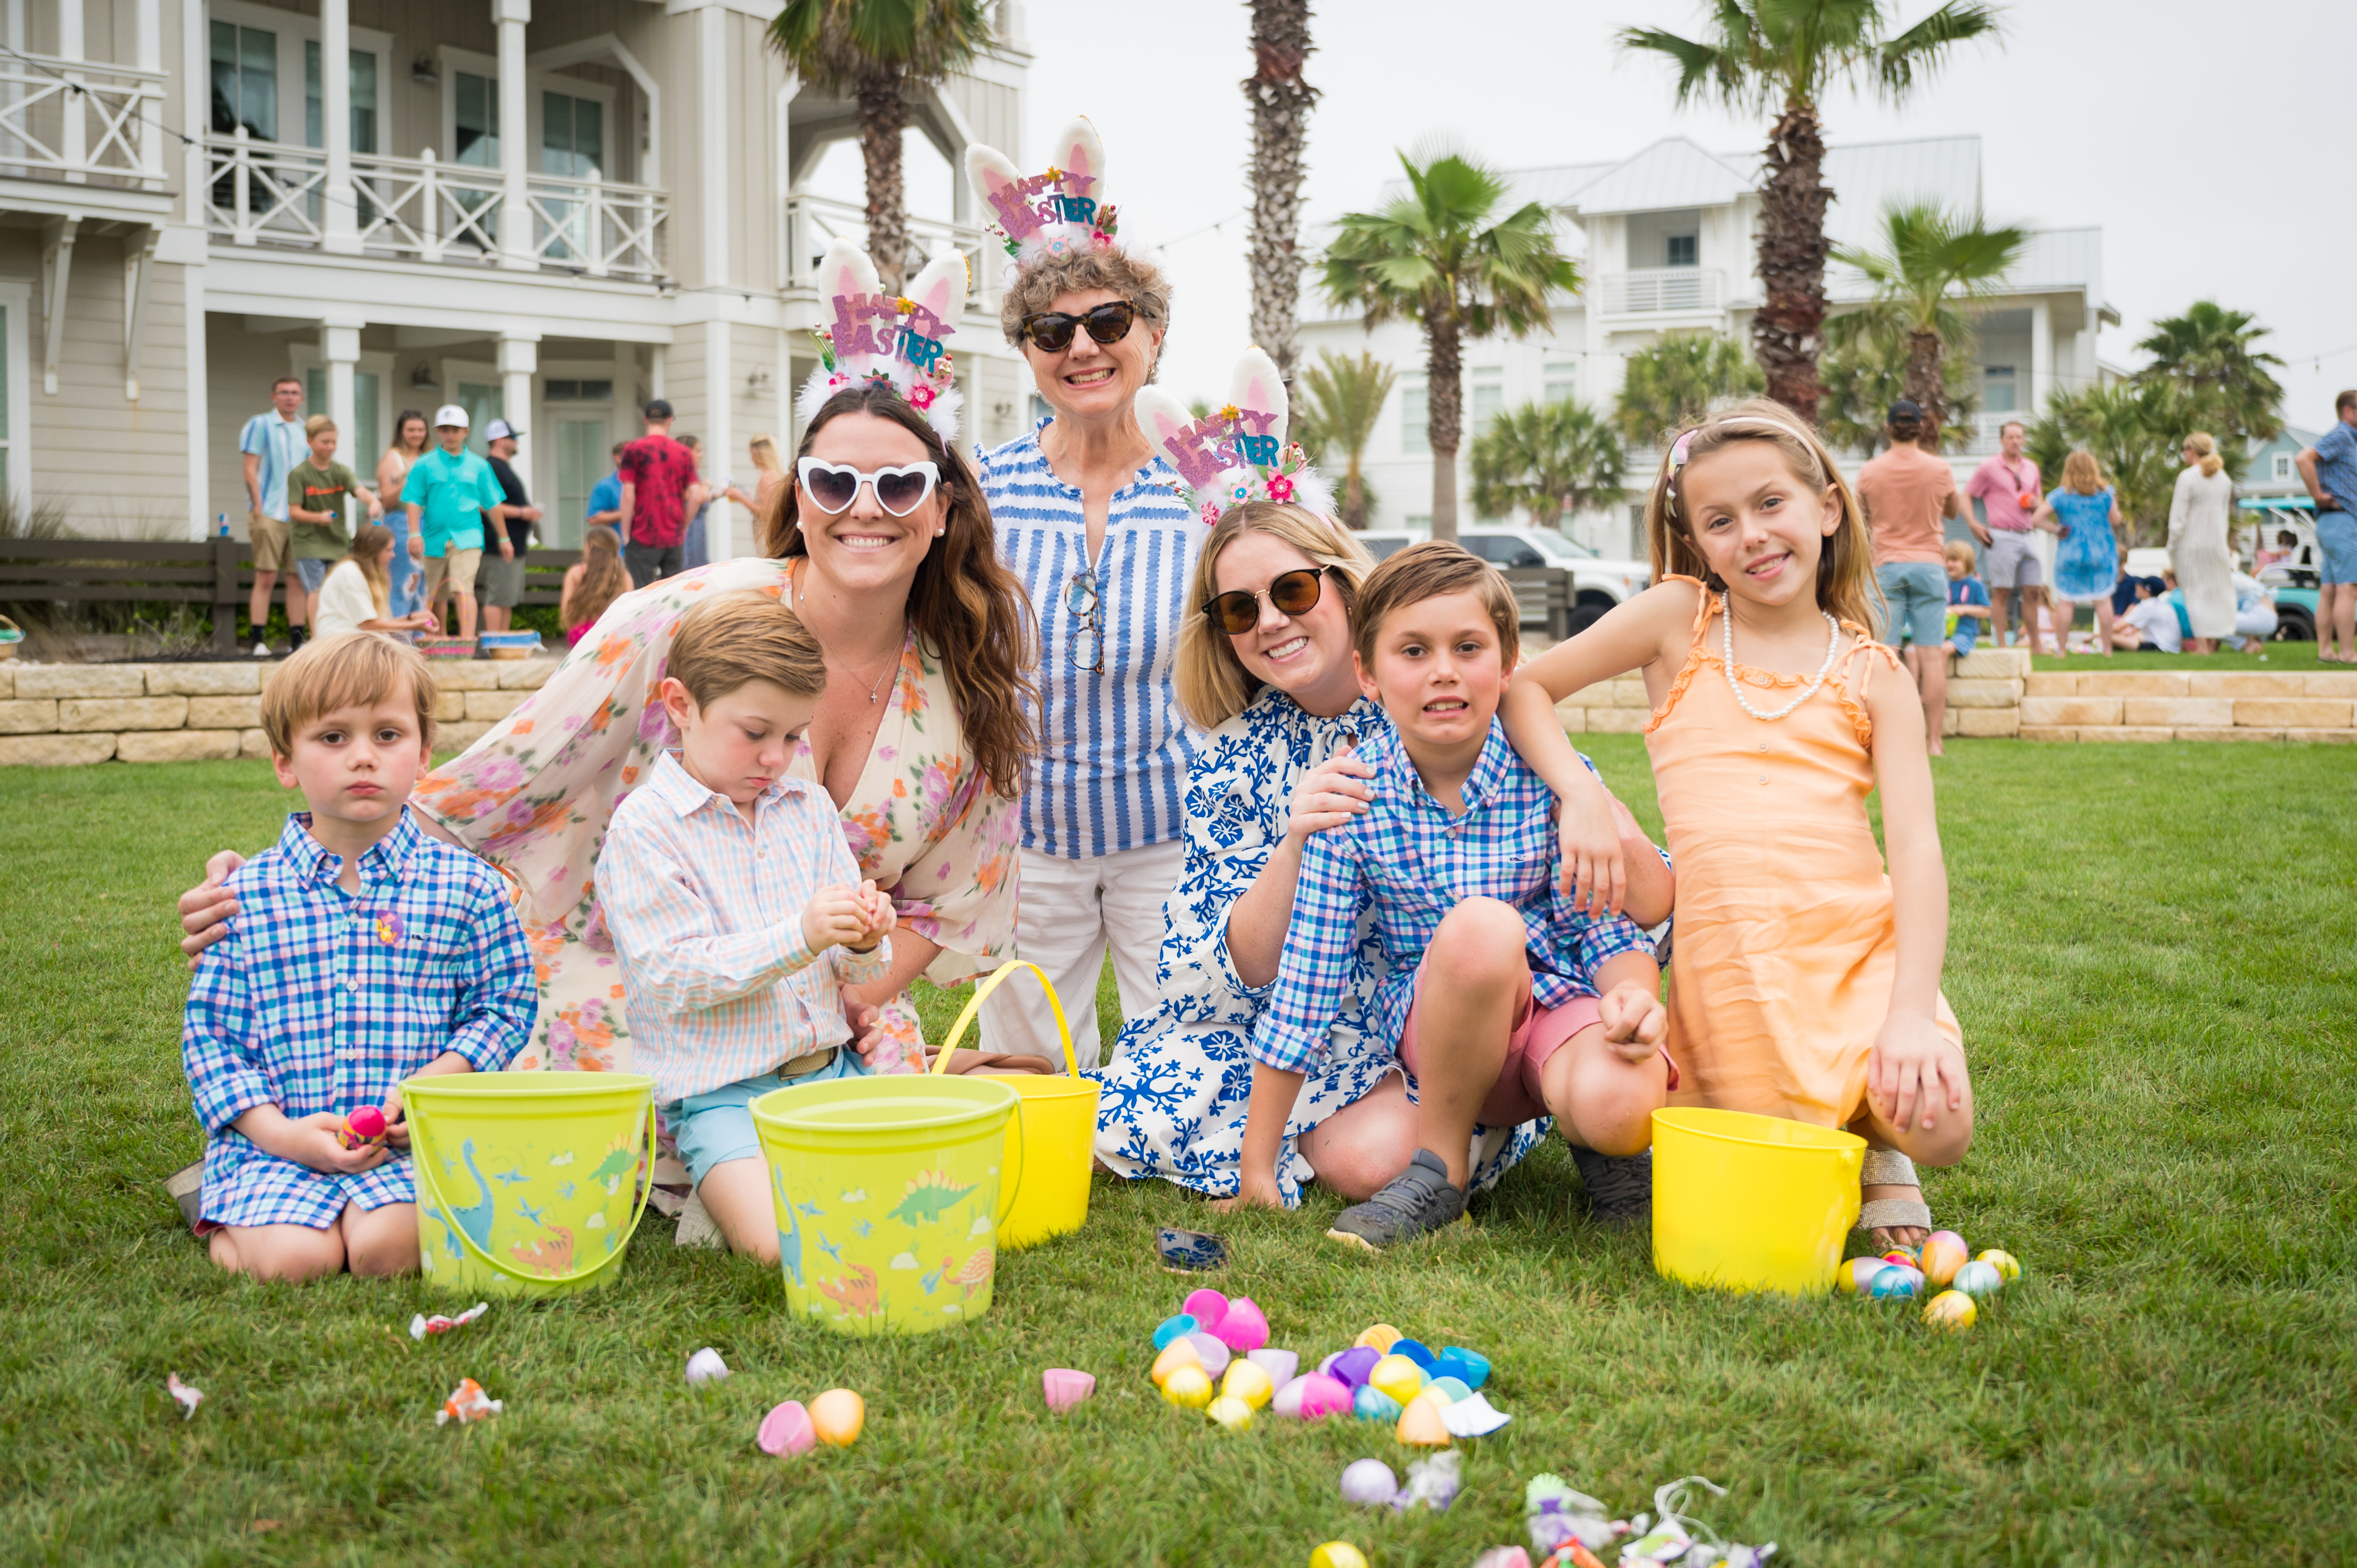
[1662,289]
[812,222]
[1987,430]
[81,120]
[272,193]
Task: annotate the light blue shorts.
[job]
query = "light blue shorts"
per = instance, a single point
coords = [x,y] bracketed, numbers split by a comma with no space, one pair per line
[716,1127]
[2336,540]
[1916,594]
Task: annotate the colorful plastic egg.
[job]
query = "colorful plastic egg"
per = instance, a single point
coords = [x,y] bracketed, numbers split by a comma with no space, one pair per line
[1943,1255]
[1856,1277]
[1231,1412]
[1189,1387]
[1468,1367]
[1379,1338]
[1214,1353]
[1368,1483]
[837,1416]
[1909,1256]
[1247,1382]
[1286,1403]
[1420,1425]
[1352,1366]
[1171,1328]
[1414,1351]
[786,1430]
[1398,1376]
[1178,1353]
[1950,1309]
[1449,1391]
[1243,1326]
[2003,1263]
[1977,1279]
[1897,1281]
[1338,1554]
[1372,1404]
[1323,1396]
[1281,1366]
[1064,1387]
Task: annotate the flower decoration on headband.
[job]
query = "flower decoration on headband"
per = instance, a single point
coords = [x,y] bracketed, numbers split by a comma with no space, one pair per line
[1679,450]
[887,339]
[1238,454]
[1054,213]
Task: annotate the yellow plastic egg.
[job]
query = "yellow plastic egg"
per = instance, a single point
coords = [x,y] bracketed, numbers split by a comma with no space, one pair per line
[1398,1376]
[1950,1309]
[1248,1382]
[1380,1338]
[1338,1554]
[1231,1412]
[1189,1387]
[1177,1354]
[2004,1263]
[837,1416]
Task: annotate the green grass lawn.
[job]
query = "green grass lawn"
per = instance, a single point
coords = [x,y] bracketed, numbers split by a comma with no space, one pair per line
[2276,658]
[2152,957]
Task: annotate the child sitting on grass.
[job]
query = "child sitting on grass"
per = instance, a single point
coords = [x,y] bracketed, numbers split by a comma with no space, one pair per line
[1968,598]
[1806,985]
[735,903]
[363,953]
[1508,1004]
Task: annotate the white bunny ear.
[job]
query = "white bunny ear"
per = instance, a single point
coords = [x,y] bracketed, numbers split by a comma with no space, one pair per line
[846,270]
[940,288]
[994,178]
[1259,388]
[1168,425]
[1081,155]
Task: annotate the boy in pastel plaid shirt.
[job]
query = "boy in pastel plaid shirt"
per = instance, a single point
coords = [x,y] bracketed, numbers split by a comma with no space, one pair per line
[736,904]
[362,952]
[1510,1001]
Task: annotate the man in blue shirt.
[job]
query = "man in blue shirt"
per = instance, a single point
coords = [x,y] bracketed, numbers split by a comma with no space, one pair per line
[2328,469]
[449,494]
[606,494]
[272,445]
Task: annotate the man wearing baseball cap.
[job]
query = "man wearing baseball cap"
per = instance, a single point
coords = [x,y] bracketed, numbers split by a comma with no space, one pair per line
[449,494]
[503,573]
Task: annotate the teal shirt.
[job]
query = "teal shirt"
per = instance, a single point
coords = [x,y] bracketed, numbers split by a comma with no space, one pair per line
[453,492]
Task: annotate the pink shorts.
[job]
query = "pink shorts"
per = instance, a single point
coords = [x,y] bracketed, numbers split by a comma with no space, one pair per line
[1539,1033]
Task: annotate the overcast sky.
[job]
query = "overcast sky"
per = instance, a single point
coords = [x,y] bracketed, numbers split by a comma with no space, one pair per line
[2215,143]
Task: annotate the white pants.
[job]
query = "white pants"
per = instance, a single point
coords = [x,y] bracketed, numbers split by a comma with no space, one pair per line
[1071,910]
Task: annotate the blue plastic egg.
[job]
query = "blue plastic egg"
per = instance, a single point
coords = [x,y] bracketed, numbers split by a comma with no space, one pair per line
[1371,1404]
[1977,1279]
[1415,1352]
[1898,1283]
[1468,1367]
[1173,1328]
[1452,1388]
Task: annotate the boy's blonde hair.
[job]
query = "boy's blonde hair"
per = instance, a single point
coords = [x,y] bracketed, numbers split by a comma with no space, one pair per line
[1958,549]
[355,668]
[1212,682]
[315,424]
[1427,571]
[733,639]
[1846,583]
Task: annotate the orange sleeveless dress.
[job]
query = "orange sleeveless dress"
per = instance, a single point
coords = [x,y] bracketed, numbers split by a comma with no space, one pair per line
[1785,943]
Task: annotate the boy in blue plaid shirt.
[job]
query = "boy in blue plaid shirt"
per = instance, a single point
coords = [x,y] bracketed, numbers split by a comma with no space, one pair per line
[362,952]
[1510,1003]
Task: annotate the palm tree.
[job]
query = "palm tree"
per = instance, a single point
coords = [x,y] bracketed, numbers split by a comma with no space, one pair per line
[1441,255]
[1864,372]
[1676,380]
[1931,260]
[2209,352]
[1781,56]
[2134,430]
[1280,103]
[1552,459]
[1343,398]
[880,54]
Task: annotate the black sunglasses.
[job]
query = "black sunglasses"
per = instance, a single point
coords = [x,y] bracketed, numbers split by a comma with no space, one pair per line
[1051,331]
[1294,592]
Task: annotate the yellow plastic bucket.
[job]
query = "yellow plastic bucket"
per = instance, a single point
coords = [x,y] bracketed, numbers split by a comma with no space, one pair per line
[551,1165]
[888,1198]
[1751,1203]
[1054,1136]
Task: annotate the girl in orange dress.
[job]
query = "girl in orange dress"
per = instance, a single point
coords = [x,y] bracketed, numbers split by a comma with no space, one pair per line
[1806,982]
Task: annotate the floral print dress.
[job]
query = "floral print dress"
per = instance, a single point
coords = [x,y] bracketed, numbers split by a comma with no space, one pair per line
[1172,1102]
[535,795]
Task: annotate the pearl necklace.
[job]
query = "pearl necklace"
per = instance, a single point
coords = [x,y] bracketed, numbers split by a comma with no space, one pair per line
[1727,648]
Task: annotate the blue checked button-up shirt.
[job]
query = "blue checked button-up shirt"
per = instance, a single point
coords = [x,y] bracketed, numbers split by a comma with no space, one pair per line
[323,1000]
[1413,862]
[1113,752]
[706,913]
[2336,465]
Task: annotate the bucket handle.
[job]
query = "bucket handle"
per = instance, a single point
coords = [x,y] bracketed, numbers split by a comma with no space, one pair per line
[957,1031]
[427,1180]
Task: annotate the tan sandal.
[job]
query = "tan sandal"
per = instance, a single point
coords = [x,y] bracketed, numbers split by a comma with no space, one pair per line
[1888,1168]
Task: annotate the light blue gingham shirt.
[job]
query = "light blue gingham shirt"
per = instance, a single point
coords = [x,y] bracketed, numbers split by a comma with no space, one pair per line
[317,1000]
[1412,862]
[707,910]
[1114,751]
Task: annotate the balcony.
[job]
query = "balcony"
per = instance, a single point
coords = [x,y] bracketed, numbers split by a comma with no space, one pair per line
[273,194]
[84,122]
[1659,290]
[1986,429]
[813,222]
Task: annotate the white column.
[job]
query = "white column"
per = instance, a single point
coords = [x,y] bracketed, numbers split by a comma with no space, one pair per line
[196,55]
[658,364]
[515,163]
[720,436]
[339,346]
[342,219]
[518,359]
[73,146]
[148,49]
[2042,357]
[712,178]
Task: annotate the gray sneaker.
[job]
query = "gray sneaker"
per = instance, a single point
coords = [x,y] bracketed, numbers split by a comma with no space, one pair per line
[1416,1202]
[1619,1186]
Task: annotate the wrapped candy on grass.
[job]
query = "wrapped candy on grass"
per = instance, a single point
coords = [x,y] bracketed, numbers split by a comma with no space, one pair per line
[182,1394]
[1431,1483]
[1682,1538]
[467,1402]
[1472,1416]
[786,1430]
[1556,1515]
[1368,1483]
[365,1125]
[705,1367]
[421,1325]
[1065,1388]
[1503,1557]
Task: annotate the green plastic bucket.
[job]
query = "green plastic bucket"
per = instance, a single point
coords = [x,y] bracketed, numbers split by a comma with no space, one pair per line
[529,1183]
[887,1195]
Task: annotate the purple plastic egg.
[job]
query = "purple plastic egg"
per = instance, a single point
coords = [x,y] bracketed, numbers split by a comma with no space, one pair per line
[1243,1326]
[1368,1483]
[1215,1355]
[1352,1366]
[1206,1307]
[1286,1405]
[1280,1365]
[1322,1396]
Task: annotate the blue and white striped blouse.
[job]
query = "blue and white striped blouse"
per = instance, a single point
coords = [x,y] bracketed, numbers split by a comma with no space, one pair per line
[1113,752]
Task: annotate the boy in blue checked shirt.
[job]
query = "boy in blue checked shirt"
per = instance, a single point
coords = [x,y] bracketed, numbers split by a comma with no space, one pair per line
[736,905]
[362,952]
[1509,1003]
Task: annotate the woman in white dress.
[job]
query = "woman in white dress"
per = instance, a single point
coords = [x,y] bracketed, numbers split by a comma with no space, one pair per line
[357,594]
[2199,517]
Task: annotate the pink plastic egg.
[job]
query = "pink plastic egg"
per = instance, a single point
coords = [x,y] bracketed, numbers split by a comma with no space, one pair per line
[1322,1396]
[1065,1388]
[1286,1405]
[786,1430]
[1206,1307]
[1242,1327]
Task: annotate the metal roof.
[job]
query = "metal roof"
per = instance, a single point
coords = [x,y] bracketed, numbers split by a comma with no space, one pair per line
[1671,173]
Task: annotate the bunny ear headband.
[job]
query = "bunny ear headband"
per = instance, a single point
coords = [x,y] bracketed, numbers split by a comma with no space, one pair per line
[1239,452]
[887,338]
[1050,214]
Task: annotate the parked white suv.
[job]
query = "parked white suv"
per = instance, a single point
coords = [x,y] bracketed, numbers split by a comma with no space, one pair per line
[1597,584]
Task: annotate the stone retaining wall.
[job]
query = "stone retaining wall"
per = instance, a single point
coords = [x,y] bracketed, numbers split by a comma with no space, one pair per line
[2168,705]
[63,714]
[1985,692]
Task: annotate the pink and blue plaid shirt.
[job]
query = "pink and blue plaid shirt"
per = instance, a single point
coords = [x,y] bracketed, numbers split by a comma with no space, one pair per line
[323,1000]
[706,913]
